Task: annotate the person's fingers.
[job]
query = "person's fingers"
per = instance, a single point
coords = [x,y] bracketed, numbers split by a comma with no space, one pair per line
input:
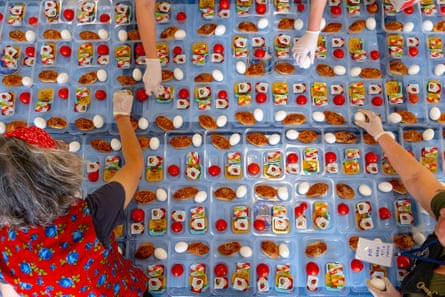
[373,290]
[361,124]
[158,90]
[312,56]
[367,112]
[387,282]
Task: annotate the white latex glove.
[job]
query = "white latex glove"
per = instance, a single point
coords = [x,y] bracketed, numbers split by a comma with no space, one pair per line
[389,291]
[372,124]
[152,76]
[304,47]
[122,102]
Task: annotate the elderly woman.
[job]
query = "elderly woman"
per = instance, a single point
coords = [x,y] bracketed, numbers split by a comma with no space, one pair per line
[53,243]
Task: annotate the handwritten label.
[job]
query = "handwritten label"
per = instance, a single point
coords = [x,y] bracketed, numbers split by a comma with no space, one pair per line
[375,251]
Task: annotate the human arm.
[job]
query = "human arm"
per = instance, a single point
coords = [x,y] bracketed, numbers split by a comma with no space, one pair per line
[418,180]
[145,17]
[130,173]
[315,15]
[7,291]
[307,44]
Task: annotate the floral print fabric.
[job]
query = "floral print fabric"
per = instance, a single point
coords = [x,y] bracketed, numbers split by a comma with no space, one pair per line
[66,259]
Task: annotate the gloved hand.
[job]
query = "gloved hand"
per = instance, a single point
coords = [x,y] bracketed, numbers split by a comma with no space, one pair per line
[122,102]
[389,291]
[152,76]
[306,46]
[372,124]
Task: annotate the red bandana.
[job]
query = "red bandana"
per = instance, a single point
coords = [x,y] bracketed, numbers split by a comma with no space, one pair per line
[34,135]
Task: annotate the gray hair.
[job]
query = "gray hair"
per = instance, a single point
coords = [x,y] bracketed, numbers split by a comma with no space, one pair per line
[36,185]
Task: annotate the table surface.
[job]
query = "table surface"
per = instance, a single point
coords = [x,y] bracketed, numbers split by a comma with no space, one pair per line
[285,163]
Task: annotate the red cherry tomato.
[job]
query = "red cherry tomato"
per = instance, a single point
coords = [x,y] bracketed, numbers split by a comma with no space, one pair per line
[220,270]
[181,16]
[138,215]
[442,9]
[292,158]
[93,176]
[259,224]
[403,262]
[177,50]
[339,99]
[409,10]
[1,17]
[261,98]
[261,8]
[377,101]
[413,98]
[300,7]
[221,225]
[301,100]
[100,95]
[336,10]
[357,265]
[339,53]
[259,53]
[63,93]
[303,205]
[384,213]
[141,95]
[139,49]
[262,270]
[218,48]
[33,20]
[177,227]
[374,54]
[298,211]
[25,97]
[224,4]
[222,94]
[65,51]
[177,269]
[312,268]
[103,49]
[68,14]
[330,157]
[253,168]
[214,170]
[371,157]
[104,18]
[413,51]
[30,51]
[173,170]
[343,209]
[183,93]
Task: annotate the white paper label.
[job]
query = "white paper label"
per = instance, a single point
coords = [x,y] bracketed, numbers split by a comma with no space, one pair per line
[375,251]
